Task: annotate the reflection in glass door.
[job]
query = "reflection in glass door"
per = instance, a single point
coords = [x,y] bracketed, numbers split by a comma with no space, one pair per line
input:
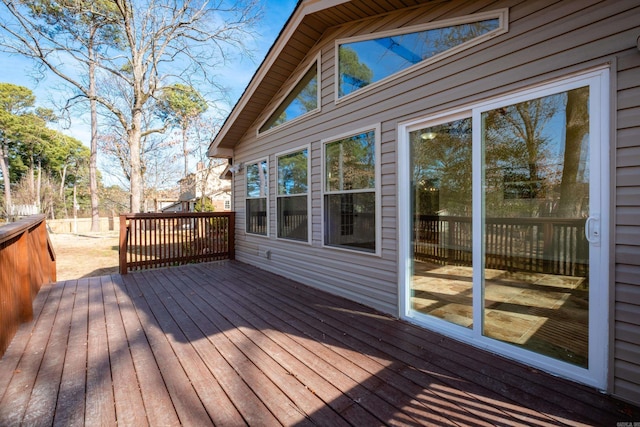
[507,223]
[441,204]
[536,203]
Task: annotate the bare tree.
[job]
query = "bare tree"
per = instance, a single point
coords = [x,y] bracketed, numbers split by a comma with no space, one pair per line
[65,36]
[159,43]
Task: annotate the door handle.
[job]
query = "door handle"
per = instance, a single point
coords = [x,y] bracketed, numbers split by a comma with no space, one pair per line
[592,229]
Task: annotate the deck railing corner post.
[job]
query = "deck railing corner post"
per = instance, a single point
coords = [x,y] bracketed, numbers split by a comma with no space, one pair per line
[232,236]
[122,248]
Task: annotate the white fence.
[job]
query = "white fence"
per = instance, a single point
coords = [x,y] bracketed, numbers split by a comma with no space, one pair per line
[23,210]
[82,225]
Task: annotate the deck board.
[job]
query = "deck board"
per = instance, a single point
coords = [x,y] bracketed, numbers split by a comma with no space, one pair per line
[71,396]
[126,389]
[229,344]
[155,396]
[40,408]
[99,404]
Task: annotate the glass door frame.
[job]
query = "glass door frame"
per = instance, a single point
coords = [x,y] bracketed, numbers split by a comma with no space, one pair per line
[600,208]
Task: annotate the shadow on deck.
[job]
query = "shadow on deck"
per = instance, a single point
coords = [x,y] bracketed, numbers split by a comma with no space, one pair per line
[228,344]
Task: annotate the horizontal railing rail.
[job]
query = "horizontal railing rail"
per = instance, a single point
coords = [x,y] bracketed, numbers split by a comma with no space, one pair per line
[27,261]
[540,245]
[153,240]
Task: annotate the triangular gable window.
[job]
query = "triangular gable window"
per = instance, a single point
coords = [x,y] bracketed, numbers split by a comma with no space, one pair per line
[300,101]
[364,61]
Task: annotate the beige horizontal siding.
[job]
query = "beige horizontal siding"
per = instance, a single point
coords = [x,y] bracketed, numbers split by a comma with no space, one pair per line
[626,364]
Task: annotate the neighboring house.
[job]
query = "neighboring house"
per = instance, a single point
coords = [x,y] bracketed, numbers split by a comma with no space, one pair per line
[205,182]
[472,167]
[160,205]
[174,207]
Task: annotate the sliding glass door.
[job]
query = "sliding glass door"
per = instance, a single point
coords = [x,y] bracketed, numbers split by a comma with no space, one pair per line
[505,240]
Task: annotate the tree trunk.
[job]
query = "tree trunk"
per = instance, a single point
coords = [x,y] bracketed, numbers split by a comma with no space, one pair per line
[31,177]
[39,185]
[93,158]
[63,178]
[577,117]
[4,168]
[135,136]
[185,150]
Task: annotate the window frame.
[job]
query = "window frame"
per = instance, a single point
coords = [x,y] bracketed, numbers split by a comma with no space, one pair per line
[307,194]
[266,197]
[503,26]
[376,128]
[317,63]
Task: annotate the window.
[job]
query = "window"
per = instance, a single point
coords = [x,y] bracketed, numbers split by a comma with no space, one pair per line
[363,61]
[292,200]
[350,192]
[300,101]
[227,205]
[257,192]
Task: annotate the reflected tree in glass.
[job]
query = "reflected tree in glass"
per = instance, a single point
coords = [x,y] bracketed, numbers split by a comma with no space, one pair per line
[536,201]
[350,163]
[292,196]
[364,62]
[442,247]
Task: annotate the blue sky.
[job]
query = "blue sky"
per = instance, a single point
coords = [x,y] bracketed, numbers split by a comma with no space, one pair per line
[235,76]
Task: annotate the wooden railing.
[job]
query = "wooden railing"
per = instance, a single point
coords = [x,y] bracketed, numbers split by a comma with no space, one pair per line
[293,224]
[27,261]
[541,245]
[160,240]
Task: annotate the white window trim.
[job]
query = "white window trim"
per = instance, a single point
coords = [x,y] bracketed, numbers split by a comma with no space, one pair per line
[308,193]
[317,62]
[246,197]
[596,374]
[501,14]
[377,188]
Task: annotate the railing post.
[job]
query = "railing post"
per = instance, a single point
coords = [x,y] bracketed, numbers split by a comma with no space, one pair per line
[547,247]
[232,236]
[44,251]
[451,225]
[122,248]
[53,272]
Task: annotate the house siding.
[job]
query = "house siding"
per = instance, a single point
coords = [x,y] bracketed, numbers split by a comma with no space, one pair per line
[626,348]
[546,40]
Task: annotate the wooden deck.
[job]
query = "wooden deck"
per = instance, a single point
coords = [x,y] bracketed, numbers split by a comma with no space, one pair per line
[227,344]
